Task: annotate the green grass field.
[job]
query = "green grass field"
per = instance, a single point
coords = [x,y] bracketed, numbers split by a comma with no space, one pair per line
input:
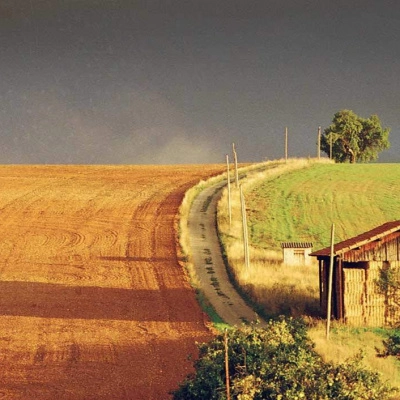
[301,205]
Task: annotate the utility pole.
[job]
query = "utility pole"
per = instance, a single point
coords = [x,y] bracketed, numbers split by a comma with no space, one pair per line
[245,233]
[329,300]
[227,380]
[330,151]
[229,192]
[319,143]
[286,144]
[236,165]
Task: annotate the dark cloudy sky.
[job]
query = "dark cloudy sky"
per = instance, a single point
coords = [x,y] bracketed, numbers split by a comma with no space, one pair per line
[175,81]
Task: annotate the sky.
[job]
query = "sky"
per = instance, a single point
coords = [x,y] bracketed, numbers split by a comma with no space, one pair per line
[175,82]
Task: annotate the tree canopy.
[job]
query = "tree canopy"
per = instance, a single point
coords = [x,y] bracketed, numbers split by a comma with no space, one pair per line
[354,139]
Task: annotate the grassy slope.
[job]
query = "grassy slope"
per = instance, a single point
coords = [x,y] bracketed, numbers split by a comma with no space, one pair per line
[301,205]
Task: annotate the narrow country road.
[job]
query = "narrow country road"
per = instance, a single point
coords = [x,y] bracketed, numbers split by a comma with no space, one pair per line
[208,262]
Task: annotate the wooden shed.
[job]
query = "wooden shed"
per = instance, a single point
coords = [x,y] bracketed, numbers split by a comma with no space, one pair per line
[356,268]
[296,253]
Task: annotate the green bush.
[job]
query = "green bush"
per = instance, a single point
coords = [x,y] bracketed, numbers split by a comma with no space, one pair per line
[388,284]
[278,363]
[391,345]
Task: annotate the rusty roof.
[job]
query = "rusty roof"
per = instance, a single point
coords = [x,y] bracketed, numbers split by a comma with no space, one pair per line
[296,245]
[360,240]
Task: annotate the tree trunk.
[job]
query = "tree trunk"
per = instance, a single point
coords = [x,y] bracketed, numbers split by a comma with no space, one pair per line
[352,156]
[349,152]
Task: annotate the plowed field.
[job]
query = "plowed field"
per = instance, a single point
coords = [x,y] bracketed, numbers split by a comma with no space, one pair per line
[93,301]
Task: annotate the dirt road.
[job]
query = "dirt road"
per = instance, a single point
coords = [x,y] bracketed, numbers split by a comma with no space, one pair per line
[93,301]
[208,261]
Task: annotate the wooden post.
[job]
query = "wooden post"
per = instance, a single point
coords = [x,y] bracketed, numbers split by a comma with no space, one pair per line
[227,380]
[245,233]
[339,289]
[319,143]
[330,150]
[236,165]
[321,282]
[286,144]
[329,300]
[229,192]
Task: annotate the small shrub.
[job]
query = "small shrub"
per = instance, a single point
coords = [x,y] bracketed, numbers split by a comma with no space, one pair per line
[391,345]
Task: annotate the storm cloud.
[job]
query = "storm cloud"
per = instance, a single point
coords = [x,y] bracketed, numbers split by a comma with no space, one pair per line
[159,82]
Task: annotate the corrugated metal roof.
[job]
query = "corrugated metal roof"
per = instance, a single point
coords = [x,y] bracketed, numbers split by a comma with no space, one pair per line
[296,245]
[360,240]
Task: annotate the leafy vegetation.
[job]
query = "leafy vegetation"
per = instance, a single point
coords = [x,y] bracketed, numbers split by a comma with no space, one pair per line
[278,362]
[389,285]
[352,138]
[391,345]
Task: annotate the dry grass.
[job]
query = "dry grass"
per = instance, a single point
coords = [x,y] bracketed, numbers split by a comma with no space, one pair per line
[346,341]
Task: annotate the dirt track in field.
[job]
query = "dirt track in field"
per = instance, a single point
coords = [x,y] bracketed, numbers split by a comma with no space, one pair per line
[93,301]
[208,261]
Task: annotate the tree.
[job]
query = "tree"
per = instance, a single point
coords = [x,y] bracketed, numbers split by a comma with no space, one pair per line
[353,138]
[278,362]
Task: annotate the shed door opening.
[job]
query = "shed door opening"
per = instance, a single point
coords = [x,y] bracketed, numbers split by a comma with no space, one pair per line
[299,257]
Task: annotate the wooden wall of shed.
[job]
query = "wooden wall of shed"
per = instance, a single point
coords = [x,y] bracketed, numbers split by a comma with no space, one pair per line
[386,249]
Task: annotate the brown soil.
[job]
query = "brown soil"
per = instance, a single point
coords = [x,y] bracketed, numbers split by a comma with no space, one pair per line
[93,301]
